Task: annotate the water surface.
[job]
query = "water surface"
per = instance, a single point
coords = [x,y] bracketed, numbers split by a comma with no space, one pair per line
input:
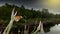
[53,30]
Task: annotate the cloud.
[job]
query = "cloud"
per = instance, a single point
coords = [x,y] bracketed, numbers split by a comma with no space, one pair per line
[36,4]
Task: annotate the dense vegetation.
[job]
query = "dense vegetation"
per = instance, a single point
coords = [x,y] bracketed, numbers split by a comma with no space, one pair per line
[28,14]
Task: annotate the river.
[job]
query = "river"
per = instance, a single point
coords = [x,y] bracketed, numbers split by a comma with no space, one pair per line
[53,30]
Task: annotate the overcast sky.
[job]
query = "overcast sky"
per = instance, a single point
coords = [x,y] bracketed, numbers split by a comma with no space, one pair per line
[52,5]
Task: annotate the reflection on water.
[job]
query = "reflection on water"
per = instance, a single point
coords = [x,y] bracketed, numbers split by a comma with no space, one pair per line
[54,30]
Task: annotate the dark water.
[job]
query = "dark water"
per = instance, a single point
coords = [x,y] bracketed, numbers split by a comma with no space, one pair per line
[53,30]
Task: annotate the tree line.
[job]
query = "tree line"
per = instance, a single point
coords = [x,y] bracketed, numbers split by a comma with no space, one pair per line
[5,12]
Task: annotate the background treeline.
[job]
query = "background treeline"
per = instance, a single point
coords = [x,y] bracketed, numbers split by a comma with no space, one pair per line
[28,14]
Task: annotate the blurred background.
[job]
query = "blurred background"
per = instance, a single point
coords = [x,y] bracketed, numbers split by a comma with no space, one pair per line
[48,11]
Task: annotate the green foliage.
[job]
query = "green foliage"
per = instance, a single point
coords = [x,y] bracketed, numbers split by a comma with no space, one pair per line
[5,12]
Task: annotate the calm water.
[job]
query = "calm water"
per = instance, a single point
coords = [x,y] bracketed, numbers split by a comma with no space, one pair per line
[53,30]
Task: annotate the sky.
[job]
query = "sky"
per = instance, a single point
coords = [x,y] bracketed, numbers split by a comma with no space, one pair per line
[52,5]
